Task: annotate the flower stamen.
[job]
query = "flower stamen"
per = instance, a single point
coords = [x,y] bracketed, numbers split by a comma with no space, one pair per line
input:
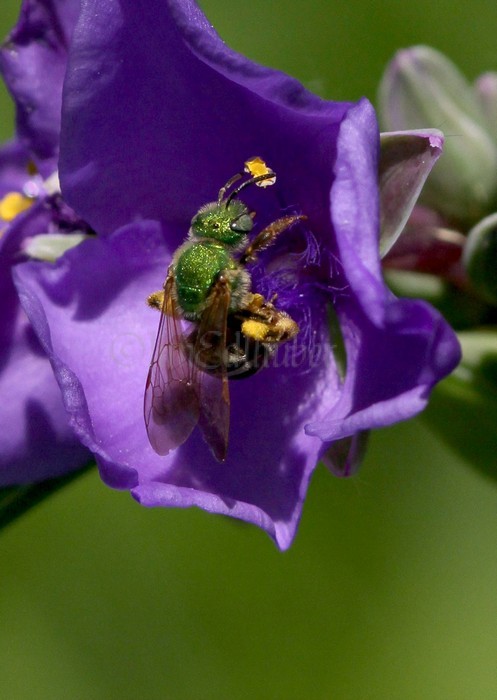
[12,204]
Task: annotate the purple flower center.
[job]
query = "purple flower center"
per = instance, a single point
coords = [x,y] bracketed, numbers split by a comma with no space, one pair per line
[295,273]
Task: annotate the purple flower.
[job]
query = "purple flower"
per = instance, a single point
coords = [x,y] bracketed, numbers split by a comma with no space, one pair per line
[33,62]
[37,441]
[158,113]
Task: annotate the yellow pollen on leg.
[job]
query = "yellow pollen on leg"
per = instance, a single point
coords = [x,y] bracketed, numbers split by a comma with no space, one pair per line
[256,330]
[255,301]
[156,300]
[13,204]
[286,328]
[279,330]
[170,307]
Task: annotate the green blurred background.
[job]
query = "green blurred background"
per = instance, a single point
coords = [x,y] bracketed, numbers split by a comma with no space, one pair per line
[389,590]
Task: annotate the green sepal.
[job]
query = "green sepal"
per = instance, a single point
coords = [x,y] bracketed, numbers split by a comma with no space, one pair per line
[480,258]
[485,89]
[463,408]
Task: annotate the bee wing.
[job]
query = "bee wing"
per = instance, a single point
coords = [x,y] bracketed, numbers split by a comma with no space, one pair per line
[211,354]
[172,398]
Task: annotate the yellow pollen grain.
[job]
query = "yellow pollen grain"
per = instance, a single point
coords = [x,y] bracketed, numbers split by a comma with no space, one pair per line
[13,204]
[256,330]
[256,167]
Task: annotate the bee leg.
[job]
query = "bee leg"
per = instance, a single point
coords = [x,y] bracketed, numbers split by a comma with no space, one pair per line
[167,306]
[275,330]
[262,322]
[256,304]
[239,281]
[156,300]
[267,237]
[253,302]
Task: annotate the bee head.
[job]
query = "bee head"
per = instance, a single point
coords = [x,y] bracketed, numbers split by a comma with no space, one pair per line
[228,223]
[228,220]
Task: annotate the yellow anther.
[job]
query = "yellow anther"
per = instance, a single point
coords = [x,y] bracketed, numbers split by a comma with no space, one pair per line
[13,204]
[256,167]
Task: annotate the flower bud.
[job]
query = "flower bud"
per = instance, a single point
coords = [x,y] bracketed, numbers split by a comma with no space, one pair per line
[406,159]
[480,258]
[422,88]
[486,94]
[344,457]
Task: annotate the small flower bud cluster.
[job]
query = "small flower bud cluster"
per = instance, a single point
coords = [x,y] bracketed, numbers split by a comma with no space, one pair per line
[421,87]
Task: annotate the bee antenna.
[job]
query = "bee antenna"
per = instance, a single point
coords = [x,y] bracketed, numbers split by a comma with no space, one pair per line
[224,189]
[253,180]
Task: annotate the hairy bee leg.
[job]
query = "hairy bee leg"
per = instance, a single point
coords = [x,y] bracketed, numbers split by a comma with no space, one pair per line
[267,237]
[256,304]
[262,322]
[279,329]
[156,300]
[168,306]
[239,281]
[253,302]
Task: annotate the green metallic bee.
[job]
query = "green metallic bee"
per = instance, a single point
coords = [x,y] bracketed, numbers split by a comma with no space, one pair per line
[231,332]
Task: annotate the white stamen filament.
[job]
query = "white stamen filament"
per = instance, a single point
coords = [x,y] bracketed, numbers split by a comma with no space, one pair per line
[51,246]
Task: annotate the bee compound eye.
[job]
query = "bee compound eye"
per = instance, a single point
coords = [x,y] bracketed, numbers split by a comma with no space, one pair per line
[242,224]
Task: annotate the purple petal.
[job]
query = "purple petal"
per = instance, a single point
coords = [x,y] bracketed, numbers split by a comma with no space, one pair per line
[406,160]
[390,369]
[13,168]
[136,64]
[36,441]
[33,63]
[396,349]
[90,313]
[355,209]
